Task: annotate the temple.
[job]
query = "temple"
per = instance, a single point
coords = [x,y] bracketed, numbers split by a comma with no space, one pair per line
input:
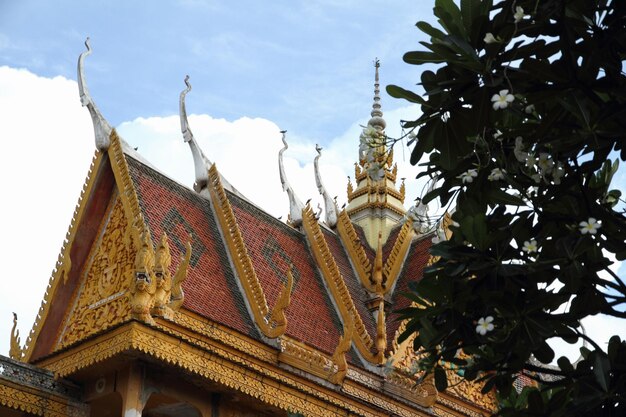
[171,300]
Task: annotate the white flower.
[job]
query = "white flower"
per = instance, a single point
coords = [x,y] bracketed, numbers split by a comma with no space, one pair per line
[496,174]
[519,14]
[531,161]
[530,246]
[545,163]
[518,151]
[529,109]
[489,38]
[502,99]
[497,135]
[591,226]
[484,325]
[468,176]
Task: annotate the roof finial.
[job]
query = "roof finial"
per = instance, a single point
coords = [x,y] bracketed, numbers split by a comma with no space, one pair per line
[329,203]
[377,120]
[201,163]
[295,205]
[102,129]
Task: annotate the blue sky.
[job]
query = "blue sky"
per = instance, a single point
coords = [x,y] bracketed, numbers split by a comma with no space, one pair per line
[256,67]
[304,64]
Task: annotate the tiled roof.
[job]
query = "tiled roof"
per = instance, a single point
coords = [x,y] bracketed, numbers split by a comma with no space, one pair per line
[357,292]
[210,287]
[413,270]
[212,290]
[273,246]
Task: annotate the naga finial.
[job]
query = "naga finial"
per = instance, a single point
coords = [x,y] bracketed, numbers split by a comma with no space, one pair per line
[15,350]
[200,161]
[329,203]
[102,129]
[381,333]
[295,205]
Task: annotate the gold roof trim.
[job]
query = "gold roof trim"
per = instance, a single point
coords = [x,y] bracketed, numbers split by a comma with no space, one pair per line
[271,385]
[276,324]
[354,247]
[336,283]
[29,400]
[63,265]
[376,204]
[128,194]
[398,253]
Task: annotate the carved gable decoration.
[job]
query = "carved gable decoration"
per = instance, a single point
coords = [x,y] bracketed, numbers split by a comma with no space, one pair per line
[101,301]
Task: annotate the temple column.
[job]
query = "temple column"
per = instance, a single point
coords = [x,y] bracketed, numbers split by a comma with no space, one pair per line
[130,387]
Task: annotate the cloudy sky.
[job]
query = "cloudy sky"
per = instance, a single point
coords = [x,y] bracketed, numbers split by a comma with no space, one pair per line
[256,68]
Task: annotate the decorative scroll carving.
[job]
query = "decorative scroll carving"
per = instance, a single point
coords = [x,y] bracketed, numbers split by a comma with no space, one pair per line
[336,283]
[339,356]
[241,259]
[470,392]
[15,351]
[266,383]
[306,358]
[127,189]
[377,281]
[381,333]
[278,320]
[354,247]
[169,294]
[101,301]
[177,294]
[35,391]
[163,279]
[143,285]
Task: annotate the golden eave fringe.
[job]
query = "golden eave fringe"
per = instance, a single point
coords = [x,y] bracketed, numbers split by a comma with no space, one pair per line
[336,283]
[398,253]
[127,190]
[276,324]
[354,247]
[269,384]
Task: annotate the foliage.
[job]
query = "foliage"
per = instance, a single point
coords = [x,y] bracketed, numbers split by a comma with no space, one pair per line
[519,121]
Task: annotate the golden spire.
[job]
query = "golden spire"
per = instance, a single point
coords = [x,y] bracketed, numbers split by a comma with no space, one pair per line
[375,204]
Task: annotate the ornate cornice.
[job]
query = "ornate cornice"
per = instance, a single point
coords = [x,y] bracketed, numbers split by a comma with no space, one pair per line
[336,284]
[376,205]
[269,384]
[271,324]
[33,390]
[64,262]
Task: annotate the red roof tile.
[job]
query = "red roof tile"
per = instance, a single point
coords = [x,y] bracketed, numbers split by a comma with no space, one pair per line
[273,246]
[210,287]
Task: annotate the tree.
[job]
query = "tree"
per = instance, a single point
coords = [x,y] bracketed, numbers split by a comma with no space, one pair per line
[520,123]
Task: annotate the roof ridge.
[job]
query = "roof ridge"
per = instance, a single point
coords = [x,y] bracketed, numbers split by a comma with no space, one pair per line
[335,281]
[271,323]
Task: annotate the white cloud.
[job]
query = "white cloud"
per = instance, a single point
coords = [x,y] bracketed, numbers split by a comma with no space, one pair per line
[47,146]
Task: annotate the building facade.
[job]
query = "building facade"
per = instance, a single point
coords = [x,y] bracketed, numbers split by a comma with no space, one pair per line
[171,301]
